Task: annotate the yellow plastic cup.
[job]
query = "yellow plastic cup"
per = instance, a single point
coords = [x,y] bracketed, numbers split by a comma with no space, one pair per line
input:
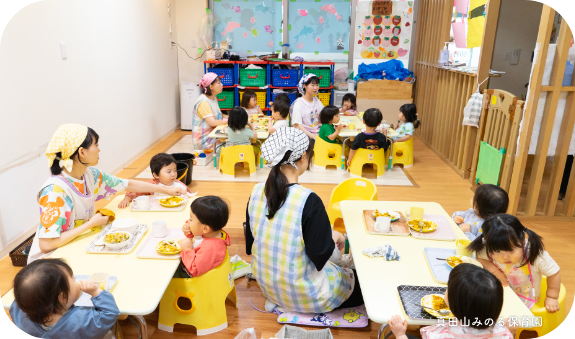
[415,213]
[351,126]
[461,247]
[361,114]
[255,117]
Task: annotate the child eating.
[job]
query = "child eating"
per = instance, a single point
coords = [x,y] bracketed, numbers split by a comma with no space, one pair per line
[44,295]
[329,116]
[370,139]
[206,245]
[409,122]
[238,133]
[475,297]
[250,103]
[488,200]
[348,105]
[280,112]
[165,172]
[516,256]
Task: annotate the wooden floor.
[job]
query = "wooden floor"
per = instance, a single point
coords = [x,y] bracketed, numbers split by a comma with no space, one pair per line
[436,182]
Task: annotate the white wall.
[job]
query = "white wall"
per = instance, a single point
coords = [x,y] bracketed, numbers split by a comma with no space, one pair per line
[517,28]
[188,18]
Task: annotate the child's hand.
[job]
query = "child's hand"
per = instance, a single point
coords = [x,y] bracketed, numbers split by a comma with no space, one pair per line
[186,244]
[465,227]
[339,127]
[125,202]
[176,191]
[186,228]
[398,327]
[551,305]
[338,239]
[90,287]
[98,220]
[458,219]
[384,131]
[348,162]
[501,276]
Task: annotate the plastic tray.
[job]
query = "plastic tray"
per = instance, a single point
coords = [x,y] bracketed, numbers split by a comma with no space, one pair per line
[156,207]
[148,248]
[141,229]
[412,295]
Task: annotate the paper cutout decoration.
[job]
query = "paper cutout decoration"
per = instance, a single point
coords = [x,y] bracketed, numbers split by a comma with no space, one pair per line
[230,27]
[331,10]
[381,8]
[459,34]
[475,23]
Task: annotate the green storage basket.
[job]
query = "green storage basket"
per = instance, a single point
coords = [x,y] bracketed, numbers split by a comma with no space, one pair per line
[324,76]
[252,77]
[489,164]
[226,99]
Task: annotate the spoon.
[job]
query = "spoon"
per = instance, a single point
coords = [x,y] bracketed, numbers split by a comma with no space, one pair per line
[421,224]
[442,312]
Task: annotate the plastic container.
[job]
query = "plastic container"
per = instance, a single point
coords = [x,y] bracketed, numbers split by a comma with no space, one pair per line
[261,98]
[226,75]
[291,96]
[324,98]
[188,159]
[19,258]
[285,77]
[253,77]
[444,55]
[226,99]
[324,75]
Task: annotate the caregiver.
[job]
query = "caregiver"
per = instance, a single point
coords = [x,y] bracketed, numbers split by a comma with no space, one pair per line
[67,199]
[206,114]
[305,110]
[289,235]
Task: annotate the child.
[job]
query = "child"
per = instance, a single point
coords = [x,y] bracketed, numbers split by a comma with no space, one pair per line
[280,112]
[165,172]
[370,139]
[516,256]
[348,104]
[44,295]
[409,122]
[305,109]
[238,133]
[329,116]
[475,297]
[488,200]
[250,103]
[206,244]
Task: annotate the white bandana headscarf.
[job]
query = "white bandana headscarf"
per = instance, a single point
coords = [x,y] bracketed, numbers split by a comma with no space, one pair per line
[302,82]
[283,140]
[66,140]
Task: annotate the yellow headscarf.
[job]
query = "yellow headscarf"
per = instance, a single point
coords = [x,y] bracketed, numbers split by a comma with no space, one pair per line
[67,139]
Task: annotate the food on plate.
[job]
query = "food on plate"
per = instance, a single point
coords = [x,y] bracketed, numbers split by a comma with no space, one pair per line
[168,247]
[116,237]
[384,214]
[428,226]
[171,201]
[107,213]
[454,260]
[438,303]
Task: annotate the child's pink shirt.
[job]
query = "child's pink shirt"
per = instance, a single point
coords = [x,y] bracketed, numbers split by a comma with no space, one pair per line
[210,254]
[462,332]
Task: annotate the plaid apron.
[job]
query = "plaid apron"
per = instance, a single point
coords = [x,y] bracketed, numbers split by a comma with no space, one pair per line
[200,128]
[283,270]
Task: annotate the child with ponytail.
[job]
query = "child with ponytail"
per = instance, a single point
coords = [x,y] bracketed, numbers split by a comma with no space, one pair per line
[409,122]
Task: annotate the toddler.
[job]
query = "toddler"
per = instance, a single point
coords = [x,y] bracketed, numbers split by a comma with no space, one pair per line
[280,112]
[409,122]
[206,244]
[44,295]
[370,139]
[250,103]
[516,256]
[238,133]
[329,116]
[488,200]
[475,297]
[348,104]
[165,171]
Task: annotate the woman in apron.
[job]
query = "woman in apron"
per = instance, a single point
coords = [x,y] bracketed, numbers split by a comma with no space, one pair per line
[289,235]
[67,199]
[206,114]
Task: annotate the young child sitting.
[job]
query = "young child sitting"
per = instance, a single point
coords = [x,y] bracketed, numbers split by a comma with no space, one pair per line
[488,200]
[329,116]
[206,244]
[238,133]
[409,122]
[250,103]
[44,295]
[370,139]
[348,104]
[165,172]
[280,112]
[475,297]
[517,257]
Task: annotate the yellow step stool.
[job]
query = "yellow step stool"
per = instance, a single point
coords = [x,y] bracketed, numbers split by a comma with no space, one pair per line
[366,156]
[207,296]
[326,154]
[230,156]
[403,153]
[350,189]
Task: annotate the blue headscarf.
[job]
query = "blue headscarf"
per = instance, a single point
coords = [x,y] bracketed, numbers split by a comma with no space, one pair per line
[303,80]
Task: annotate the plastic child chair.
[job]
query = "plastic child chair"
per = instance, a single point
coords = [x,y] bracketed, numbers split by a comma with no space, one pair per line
[325,154]
[549,321]
[205,296]
[231,155]
[350,189]
[367,156]
[403,153]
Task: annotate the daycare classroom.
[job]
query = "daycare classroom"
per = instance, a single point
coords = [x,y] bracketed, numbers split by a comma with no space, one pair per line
[246,169]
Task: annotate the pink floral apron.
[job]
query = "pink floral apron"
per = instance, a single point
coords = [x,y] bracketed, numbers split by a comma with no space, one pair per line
[521,282]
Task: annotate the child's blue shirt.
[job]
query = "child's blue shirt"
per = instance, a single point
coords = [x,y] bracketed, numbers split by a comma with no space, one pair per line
[473,220]
[78,322]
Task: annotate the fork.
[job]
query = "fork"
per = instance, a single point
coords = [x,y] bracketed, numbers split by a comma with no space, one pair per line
[420,227]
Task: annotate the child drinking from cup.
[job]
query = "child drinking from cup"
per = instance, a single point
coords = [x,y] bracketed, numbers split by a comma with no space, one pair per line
[44,295]
[165,172]
[516,256]
[206,244]
[280,112]
[329,116]
[475,297]
[348,104]
[488,200]
[238,133]
[409,122]
[370,139]
[250,103]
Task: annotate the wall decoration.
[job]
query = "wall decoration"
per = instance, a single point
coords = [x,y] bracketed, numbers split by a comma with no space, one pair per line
[381,8]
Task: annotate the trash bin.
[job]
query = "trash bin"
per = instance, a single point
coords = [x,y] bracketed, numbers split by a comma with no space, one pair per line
[183,172]
[188,159]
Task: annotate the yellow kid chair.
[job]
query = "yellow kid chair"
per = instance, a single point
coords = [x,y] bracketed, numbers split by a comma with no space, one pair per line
[367,156]
[403,153]
[350,189]
[230,156]
[207,295]
[325,154]
[549,321]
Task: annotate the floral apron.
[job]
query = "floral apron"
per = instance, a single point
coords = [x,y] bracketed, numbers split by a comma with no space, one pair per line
[520,281]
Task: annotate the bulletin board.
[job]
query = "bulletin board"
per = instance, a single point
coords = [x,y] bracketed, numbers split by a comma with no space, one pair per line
[383,29]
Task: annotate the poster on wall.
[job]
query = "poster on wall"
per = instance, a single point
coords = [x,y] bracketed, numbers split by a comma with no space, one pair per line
[380,36]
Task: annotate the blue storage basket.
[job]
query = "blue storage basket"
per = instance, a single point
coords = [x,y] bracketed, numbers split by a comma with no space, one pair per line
[292,97]
[226,75]
[285,77]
